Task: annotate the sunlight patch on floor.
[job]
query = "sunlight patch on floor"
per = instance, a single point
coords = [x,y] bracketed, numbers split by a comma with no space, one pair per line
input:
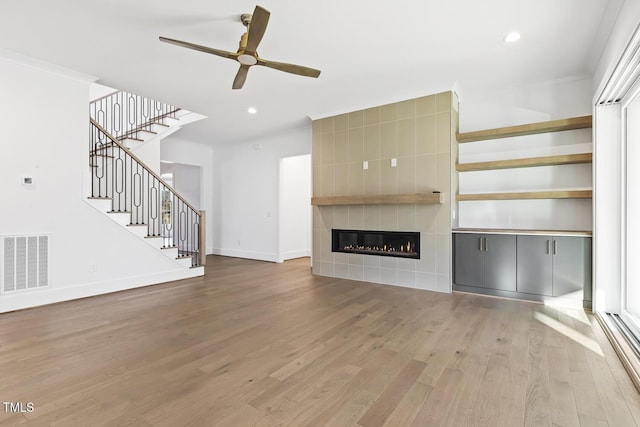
[570,333]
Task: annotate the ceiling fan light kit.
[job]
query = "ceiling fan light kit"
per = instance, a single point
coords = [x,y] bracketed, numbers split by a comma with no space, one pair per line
[247,55]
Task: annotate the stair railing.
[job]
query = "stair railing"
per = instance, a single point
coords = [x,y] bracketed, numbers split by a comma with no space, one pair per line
[134,188]
[125,114]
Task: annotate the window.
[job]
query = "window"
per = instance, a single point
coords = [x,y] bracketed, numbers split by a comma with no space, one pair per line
[630,292]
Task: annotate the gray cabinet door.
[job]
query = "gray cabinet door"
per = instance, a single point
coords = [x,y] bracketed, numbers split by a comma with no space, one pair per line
[535,265]
[572,267]
[500,262]
[468,261]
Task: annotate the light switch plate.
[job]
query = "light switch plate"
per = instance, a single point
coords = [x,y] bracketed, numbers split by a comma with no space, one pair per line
[365,165]
[394,162]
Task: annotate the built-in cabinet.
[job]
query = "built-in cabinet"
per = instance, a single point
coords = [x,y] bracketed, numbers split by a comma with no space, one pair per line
[523,266]
[485,261]
[494,189]
[554,265]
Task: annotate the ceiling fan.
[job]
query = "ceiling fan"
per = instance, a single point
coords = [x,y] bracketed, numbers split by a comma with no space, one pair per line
[247,54]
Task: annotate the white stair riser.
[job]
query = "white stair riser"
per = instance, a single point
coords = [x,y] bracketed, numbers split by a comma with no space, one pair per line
[160,129]
[170,252]
[156,242]
[139,230]
[103,205]
[185,262]
[101,158]
[122,218]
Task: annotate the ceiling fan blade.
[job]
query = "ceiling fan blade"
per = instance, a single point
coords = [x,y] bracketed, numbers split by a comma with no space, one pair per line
[290,68]
[205,49]
[238,82]
[257,27]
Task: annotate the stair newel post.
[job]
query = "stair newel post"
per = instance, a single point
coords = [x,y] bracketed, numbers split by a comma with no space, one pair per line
[136,189]
[202,238]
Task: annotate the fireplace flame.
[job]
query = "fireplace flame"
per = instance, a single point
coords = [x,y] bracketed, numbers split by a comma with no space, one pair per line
[377,246]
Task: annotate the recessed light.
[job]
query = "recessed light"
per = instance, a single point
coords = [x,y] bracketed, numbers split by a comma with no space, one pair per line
[512,37]
[252,110]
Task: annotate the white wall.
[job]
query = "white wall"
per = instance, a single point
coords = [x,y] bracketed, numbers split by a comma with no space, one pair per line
[45,135]
[512,106]
[246,193]
[509,106]
[295,207]
[187,180]
[178,150]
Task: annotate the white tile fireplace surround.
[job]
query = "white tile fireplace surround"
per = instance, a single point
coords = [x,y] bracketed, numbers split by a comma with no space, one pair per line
[407,147]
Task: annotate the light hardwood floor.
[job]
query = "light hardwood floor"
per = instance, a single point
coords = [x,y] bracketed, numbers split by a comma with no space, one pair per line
[254,343]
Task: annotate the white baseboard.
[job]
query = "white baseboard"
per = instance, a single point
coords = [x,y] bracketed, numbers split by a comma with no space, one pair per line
[260,256]
[296,254]
[21,300]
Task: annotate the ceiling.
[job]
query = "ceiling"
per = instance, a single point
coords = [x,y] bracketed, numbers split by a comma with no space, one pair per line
[370,52]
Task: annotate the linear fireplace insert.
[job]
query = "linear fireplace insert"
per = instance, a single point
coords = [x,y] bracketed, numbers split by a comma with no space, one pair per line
[403,244]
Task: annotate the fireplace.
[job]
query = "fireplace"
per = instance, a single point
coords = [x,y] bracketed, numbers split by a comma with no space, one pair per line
[403,244]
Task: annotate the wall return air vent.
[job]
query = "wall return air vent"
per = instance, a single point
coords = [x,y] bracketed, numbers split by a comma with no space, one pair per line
[24,263]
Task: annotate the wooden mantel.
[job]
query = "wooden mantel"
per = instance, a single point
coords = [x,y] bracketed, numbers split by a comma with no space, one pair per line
[385,199]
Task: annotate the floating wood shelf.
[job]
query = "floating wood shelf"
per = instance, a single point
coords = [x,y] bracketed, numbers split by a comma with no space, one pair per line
[387,199]
[528,129]
[563,194]
[565,159]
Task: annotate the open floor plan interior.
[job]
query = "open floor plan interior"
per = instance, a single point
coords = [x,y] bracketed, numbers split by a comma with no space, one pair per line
[426,216]
[258,343]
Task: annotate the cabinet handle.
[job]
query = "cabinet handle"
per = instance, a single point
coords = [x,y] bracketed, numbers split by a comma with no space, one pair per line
[555,247]
[480,240]
[548,247]
[486,245]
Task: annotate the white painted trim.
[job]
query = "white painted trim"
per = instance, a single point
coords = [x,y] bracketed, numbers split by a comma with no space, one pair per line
[11,302]
[46,66]
[607,213]
[260,256]
[295,254]
[281,207]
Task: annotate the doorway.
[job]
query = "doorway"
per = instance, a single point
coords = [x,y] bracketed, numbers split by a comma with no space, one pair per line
[185,179]
[295,208]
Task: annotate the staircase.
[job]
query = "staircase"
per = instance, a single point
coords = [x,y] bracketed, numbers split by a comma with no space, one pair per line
[131,193]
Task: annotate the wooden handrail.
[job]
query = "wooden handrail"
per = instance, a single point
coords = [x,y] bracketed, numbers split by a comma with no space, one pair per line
[104,96]
[144,166]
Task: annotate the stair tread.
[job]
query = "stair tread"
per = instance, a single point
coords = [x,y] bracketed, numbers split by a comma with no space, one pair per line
[108,150]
